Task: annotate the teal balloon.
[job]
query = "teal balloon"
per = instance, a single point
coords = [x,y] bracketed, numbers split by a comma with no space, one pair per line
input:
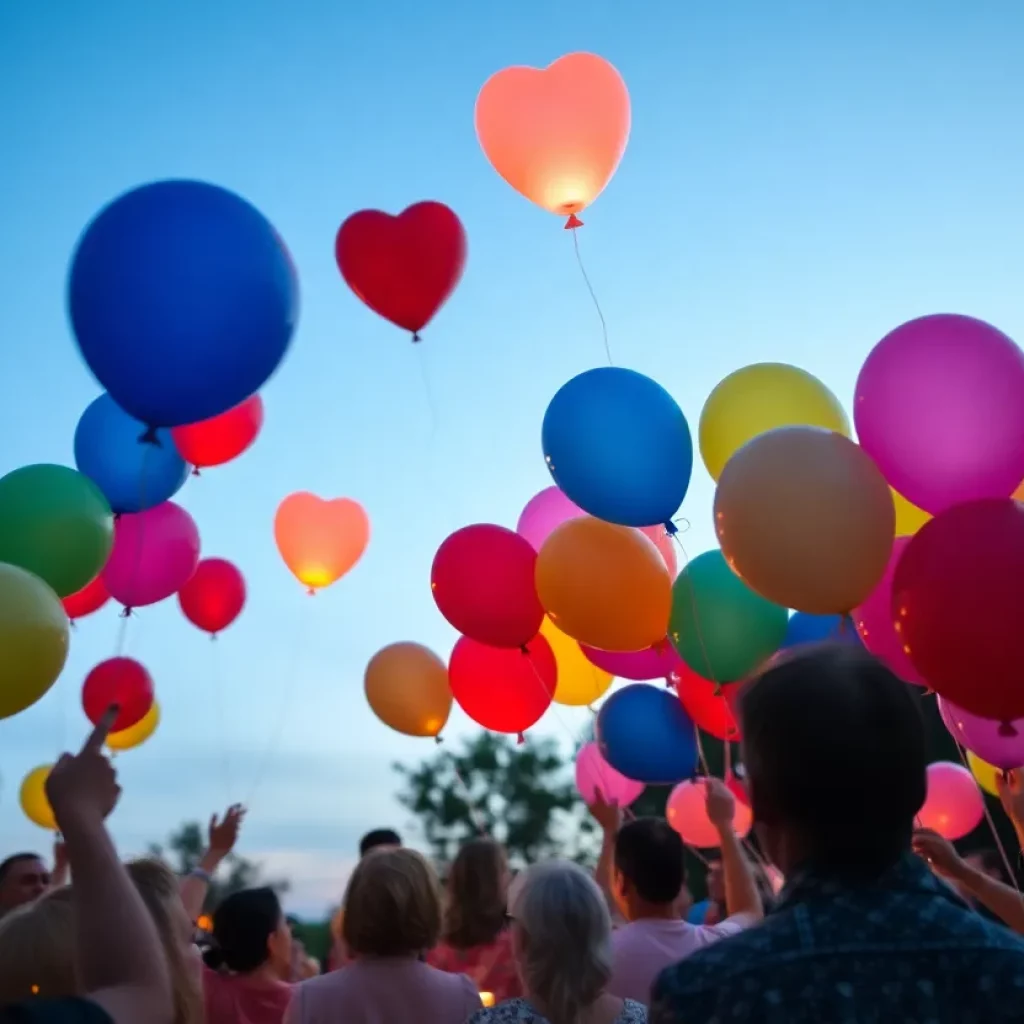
[55,522]
[721,628]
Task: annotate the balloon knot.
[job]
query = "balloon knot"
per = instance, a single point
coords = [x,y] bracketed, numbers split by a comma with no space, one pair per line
[439,739]
[149,436]
[416,339]
[573,223]
[670,528]
[1007,729]
[126,611]
[524,649]
[213,637]
[195,471]
[311,591]
[670,681]
[72,623]
[520,739]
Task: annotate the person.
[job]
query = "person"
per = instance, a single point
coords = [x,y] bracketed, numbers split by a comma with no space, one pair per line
[647,876]
[23,878]
[834,747]
[710,909]
[475,940]
[222,835]
[37,950]
[392,916]
[379,839]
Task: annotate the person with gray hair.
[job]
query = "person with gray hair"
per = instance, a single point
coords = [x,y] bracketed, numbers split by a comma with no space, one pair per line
[561,937]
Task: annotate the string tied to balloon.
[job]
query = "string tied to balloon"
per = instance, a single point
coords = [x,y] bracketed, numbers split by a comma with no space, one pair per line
[572,223]
[195,471]
[670,528]
[416,339]
[520,739]
[150,436]
[311,591]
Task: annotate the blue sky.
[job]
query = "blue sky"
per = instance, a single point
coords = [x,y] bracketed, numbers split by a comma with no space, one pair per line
[801,177]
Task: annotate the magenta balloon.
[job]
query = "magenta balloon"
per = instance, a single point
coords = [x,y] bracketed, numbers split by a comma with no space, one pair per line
[658,662]
[939,406]
[155,554]
[594,773]
[686,812]
[543,513]
[984,737]
[953,805]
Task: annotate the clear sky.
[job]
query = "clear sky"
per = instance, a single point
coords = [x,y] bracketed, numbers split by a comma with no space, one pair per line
[801,177]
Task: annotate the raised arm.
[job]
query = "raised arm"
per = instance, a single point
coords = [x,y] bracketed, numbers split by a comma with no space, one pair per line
[223,834]
[741,892]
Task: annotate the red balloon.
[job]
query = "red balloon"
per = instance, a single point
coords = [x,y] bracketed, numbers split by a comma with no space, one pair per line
[121,681]
[503,689]
[403,267]
[958,605]
[706,704]
[89,599]
[215,595]
[221,438]
[483,582]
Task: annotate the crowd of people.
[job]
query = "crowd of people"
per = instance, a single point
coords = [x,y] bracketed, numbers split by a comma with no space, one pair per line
[875,921]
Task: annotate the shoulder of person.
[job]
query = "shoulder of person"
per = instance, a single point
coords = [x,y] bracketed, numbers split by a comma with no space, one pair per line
[55,1011]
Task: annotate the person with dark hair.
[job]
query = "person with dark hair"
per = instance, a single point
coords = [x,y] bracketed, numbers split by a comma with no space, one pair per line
[379,839]
[834,748]
[23,878]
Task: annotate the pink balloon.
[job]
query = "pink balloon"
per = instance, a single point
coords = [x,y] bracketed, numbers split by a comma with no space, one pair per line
[939,406]
[155,554]
[953,805]
[874,622]
[990,740]
[658,662]
[594,773]
[686,813]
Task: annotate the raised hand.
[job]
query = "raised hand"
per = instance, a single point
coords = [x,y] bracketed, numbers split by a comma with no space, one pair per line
[720,804]
[82,788]
[223,834]
[940,853]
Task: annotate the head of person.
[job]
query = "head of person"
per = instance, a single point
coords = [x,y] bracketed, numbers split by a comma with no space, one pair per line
[715,881]
[649,869]
[561,935]
[392,906]
[379,839]
[477,894]
[37,950]
[251,933]
[23,878]
[834,750]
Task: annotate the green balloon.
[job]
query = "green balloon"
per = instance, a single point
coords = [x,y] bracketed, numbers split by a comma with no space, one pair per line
[719,626]
[55,522]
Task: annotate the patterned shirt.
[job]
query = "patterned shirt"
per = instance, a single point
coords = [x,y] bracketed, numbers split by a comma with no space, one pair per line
[902,949]
[519,1011]
[491,966]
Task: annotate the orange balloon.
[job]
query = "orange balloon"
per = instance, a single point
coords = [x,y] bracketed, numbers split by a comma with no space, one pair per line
[555,134]
[320,540]
[1018,495]
[407,688]
[666,546]
[604,585]
[804,516]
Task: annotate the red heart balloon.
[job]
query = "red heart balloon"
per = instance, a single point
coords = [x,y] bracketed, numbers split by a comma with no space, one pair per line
[403,267]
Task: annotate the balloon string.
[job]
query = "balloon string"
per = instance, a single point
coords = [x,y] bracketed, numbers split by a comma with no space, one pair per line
[219,686]
[547,693]
[593,296]
[428,391]
[467,798]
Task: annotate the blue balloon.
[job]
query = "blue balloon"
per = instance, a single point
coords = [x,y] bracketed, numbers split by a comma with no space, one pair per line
[183,299]
[815,629]
[618,445]
[643,732]
[132,474]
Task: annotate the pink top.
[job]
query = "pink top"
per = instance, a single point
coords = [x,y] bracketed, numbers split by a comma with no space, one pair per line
[385,991]
[236,999]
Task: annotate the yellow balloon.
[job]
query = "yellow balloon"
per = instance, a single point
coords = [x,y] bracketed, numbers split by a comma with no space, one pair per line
[909,518]
[33,639]
[984,774]
[762,397]
[137,734]
[407,689]
[34,801]
[579,682]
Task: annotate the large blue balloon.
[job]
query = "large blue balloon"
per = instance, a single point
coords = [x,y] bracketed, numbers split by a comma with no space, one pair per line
[643,732]
[132,474]
[618,445]
[815,629]
[183,300]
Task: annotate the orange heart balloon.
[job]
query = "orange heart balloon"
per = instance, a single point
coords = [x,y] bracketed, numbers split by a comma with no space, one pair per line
[555,134]
[320,540]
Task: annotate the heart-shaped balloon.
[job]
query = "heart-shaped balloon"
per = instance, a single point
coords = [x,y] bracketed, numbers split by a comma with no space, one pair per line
[403,267]
[320,540]
[555,134]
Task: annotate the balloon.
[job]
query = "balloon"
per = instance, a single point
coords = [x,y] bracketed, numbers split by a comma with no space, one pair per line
[404,268]
[482,580]
[503,689]
[984,774]
[706,705]
[953,805]
[686,812]
[214,596]
[91,598]
[958,604]
[555,134]
[660,661]
[762,397]
[121,681]
[132,474]
[909,518]
[594,774]
[666,545]
[618,445]
[34,801]
[407,689]
[804,516]
[221,438]
[644,733]
[984,737]
[137,734]
[719,626]
[155,554]
[320,540]
[33,639]
[815,629]
[55,522]
[604,585]
[183,300]
[580,682]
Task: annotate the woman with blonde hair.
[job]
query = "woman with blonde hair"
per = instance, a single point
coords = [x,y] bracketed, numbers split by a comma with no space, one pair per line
[37,950]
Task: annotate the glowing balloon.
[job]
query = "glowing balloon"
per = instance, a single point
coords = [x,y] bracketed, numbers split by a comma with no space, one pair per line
[815,629]
[686,812]
[320,540]
[34,801]
[33,639]
[137,734]
[659,661]
[604,585]
[221,438]
[121,681]
[618,445]
[953,805]
[155,554]
[215,595]
[984,773]
[909,518]
[707,705]
[580,682]
[939,405]
[556,134]
[805,517]
[762,397]
[983,737]
[91,598]
[595,775]
[407,689]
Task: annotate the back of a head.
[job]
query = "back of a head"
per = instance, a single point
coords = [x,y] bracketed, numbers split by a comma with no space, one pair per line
[242,926]
[649,854]
[834,749]
[379,838]
[37,950]
[565,939]
[476,894]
